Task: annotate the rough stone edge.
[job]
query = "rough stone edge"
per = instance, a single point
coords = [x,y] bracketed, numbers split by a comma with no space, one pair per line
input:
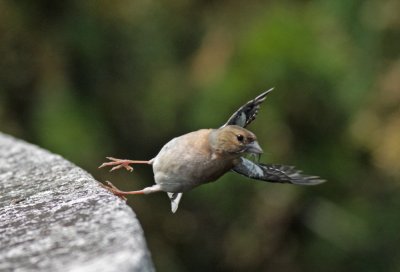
[128,259]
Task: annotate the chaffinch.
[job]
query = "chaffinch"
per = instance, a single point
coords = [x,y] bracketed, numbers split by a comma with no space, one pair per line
[205,155]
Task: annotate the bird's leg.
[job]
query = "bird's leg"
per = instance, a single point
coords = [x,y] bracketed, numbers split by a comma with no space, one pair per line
[119,163]
[111,187]
[148,190]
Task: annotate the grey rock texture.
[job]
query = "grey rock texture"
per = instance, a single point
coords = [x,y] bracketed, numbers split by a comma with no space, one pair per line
[55,217]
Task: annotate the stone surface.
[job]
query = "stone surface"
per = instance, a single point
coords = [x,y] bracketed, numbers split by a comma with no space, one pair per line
[55,217]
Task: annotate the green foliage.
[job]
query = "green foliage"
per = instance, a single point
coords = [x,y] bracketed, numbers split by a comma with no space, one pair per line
[89,79]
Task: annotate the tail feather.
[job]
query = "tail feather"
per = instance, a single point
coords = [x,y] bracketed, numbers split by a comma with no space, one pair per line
[175,199]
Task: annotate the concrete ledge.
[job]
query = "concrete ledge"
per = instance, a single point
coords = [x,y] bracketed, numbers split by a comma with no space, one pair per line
[55,217]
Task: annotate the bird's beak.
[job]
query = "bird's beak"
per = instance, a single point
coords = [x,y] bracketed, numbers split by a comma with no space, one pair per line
[254,148]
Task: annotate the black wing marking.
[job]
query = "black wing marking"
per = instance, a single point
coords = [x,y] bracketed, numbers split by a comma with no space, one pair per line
[275,173]
[248,112]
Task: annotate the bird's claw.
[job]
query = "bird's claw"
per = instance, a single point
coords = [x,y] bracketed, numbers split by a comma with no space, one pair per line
[117,192]
[117,164]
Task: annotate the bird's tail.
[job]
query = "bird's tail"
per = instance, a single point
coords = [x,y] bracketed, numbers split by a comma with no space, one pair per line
[175,198]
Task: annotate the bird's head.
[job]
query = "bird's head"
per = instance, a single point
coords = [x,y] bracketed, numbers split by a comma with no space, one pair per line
[234,140]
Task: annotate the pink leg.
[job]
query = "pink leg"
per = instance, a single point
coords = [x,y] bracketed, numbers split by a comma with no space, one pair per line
[119,163]
[148,190]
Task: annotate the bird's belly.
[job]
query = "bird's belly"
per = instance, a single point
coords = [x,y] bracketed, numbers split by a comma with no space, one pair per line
[179,172]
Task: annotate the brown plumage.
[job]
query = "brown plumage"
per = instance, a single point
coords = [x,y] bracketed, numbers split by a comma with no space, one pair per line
[201,156]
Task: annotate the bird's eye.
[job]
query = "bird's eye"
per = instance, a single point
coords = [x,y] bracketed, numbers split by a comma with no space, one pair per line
[240,137]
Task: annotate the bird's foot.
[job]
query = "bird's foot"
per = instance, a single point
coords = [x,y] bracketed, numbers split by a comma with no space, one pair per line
[111,187]
[121,163]
[121,194]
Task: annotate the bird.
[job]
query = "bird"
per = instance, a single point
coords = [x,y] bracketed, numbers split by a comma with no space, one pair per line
[203,156]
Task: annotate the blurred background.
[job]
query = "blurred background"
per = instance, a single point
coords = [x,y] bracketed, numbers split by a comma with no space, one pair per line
[89,79]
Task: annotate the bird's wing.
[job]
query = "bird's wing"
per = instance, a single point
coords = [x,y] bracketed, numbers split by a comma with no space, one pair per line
[275,173]
[248,112]
[175,198]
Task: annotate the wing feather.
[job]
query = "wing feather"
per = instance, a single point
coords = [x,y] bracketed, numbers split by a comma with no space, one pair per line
[248,112]
[275,173]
